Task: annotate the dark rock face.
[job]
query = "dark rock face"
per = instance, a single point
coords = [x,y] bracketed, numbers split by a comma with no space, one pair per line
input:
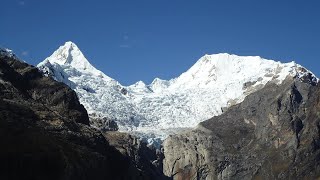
[111,125]
[143,157]
[105,123]
[273,134]
[44,132]
[24,82]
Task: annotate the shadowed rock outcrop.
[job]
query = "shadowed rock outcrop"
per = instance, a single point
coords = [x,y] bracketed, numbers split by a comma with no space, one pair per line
[143,157]
[273,134]
[45,132]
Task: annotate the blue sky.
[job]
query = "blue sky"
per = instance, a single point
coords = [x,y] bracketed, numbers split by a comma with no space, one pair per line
[142,39]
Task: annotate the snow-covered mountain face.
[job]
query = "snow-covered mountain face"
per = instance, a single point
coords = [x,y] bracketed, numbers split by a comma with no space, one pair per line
[7,52]
[212,84]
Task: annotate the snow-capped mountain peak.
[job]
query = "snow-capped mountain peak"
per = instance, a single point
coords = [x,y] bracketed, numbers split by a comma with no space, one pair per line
[212,84]
[214,69]
[158,84]
[68,61]
[139,88]
[70,55]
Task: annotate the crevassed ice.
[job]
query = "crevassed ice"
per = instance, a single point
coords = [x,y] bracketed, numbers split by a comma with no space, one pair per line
[213,83]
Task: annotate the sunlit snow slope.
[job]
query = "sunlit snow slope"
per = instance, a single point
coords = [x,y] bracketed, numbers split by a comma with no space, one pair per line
[212,84]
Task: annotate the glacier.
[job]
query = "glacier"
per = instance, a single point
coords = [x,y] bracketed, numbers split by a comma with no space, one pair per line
[214,83]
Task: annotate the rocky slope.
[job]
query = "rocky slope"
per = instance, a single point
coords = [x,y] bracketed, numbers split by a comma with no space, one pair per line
[154,111]
[273,134]
[45,132]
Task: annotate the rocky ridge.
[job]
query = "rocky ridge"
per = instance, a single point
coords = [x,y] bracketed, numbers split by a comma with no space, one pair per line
[45,132]
[272,134]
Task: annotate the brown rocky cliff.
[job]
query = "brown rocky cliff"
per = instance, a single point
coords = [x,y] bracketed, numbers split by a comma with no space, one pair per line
[272,134]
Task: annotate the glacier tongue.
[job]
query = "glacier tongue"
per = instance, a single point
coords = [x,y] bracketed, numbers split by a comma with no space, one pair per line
[213,83]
